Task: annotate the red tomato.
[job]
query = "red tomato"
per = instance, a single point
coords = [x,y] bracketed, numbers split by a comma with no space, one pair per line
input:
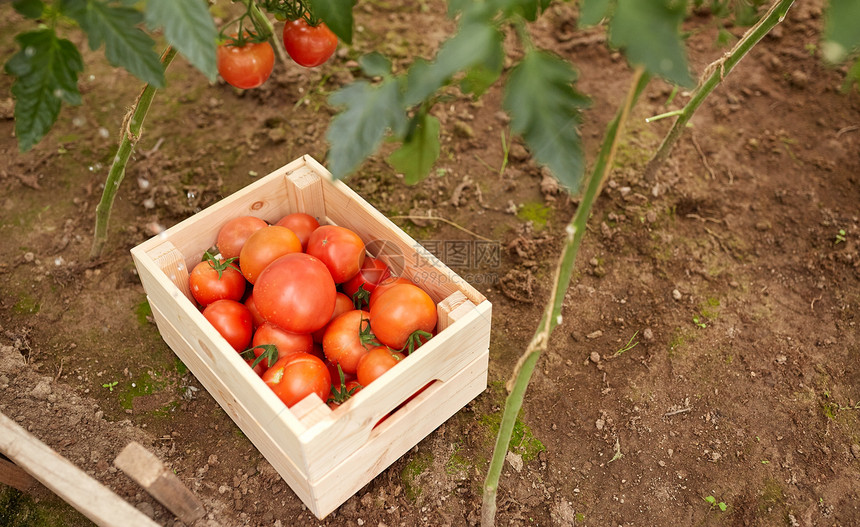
[245,66]
[385,285]
[372,272]
[342,304]
[400,312]
[309,46]
[296,292]
[340,249]
[296,376]
[212,280]
[300,223]
[264,247]
[346,339]
[257,317]
[284,341]
[232,320]
[235,232]
[375,362]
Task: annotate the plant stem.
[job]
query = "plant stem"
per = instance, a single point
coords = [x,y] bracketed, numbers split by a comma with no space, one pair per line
[131,129]
[261,20]
[713,76]
[552,315]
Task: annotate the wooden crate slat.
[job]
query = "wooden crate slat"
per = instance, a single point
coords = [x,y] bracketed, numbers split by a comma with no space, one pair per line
[277,443]
[73,485]
[334,438]
[399,433]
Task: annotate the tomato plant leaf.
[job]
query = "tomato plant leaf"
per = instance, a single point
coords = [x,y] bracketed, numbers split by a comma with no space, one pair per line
[189,28]
[841,30]
[337,15]
[648,30]
[480,77]
[545,110]
[46,75]
[29,8]
[591,12]
[528,9]
[419,151]
[474,43]
[126,45]
[375,64]
[370,111]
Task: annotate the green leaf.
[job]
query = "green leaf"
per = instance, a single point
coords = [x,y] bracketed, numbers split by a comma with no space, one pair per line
[370,111]
[337,15]
[545,110]
[841,30]
[528,9]
[480,77]
[419,152]
[375,64]
[591,12]
[710,499]
[649,32]
[126,45]
[46,71]
[29,8]
[189,28]
[474,43]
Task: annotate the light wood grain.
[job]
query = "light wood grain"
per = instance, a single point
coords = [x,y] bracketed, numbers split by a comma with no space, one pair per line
[73,485]
[310,444]
[16,477]
[149,472]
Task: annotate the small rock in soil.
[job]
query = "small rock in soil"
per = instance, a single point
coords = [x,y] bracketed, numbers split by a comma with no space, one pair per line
[676,294]
[595,357]
[594,335]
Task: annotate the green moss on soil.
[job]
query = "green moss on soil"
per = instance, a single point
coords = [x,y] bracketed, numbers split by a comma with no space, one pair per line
[20,510]
[535,212]
[413,469]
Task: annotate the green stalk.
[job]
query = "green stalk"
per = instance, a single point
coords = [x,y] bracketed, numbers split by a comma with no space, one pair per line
[131,128]
[552,315]
[262,21]
[713,76]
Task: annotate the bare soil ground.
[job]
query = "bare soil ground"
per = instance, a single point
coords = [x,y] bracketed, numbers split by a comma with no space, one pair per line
[709,346]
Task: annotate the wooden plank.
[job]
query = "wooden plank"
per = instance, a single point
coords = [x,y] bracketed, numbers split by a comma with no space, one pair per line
[16,477]
[73,485]
[160,482]
[305,193]
[251,409]
[338,435]
[399,433]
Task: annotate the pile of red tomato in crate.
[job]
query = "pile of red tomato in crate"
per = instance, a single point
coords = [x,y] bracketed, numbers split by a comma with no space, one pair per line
[307,308]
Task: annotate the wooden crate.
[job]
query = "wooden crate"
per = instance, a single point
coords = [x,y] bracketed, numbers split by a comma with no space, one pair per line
[325,456]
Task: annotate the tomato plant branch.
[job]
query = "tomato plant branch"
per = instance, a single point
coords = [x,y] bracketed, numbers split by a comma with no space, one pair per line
[712,77]
[552,315]
[262,21]
[131,131]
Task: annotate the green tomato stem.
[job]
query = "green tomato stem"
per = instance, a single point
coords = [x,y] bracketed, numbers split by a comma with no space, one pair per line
[552,314]
[714,75]
[130,136]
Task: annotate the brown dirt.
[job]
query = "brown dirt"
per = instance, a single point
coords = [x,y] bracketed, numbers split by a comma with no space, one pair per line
[726,272]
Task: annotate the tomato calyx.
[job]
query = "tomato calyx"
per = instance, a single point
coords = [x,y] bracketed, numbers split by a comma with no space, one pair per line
[414,341]
[270,352]
[366,336]
[291,10]
[361,298]
[219,266]
[339,392]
